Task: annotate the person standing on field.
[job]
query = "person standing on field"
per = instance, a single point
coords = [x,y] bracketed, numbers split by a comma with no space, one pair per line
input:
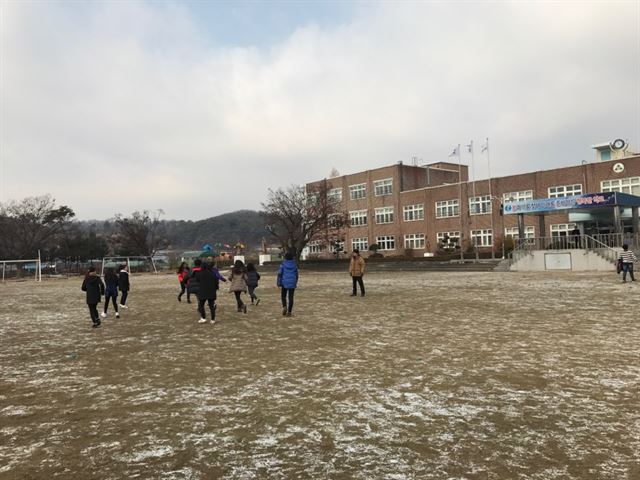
[208,283]
[183,276]
[627,257]
[288,282]
[111,291]
[253,277]
[238,286]
[123,285]
[356,270]
[94,287]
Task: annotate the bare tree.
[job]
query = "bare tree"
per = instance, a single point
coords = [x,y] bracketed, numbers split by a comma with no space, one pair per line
[296,216]
[139,234]
[31,224]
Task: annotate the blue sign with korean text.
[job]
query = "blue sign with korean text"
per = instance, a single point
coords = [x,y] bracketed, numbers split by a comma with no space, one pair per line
[587,200]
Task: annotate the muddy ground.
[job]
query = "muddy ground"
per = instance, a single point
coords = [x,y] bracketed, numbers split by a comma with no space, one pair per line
[430,376]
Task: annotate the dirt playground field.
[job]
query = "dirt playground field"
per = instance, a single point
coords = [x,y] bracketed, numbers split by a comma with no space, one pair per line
[430,376]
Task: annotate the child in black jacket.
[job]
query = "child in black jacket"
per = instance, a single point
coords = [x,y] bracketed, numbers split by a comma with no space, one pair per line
[123,285]
[253,277]
[111,281]
[94,287]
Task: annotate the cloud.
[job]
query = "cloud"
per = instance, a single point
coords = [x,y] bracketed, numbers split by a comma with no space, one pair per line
[119,106]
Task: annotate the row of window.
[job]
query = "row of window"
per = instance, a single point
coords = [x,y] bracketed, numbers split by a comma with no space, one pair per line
[481,238]
[482,204]
[358,218]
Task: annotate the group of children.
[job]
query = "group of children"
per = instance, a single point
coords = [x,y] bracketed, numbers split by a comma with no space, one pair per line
[95,288]
[204,279]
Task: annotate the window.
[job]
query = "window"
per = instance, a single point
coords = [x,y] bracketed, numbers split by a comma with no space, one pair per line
[413,212]
[361,244]
[358,218]
[414,240]
[335,220]
[448,240]
[482,238]
[358,191]
[383,187]
[448,208]
[480,205]
[335,195]
[565,190]
[315,247]
[384,215]
[562,229]
[386,242]
[625,185]
[517,196]
[529,232]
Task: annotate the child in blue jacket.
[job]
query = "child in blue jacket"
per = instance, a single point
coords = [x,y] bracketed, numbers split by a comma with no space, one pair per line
[287,281]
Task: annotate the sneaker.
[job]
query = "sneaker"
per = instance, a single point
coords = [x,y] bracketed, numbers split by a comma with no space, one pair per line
[202,320]
[354,295]
[123,306]
[244,309]
[179,298]
[213,322]
[103,315]
[284,311]
[289,314]
[117,315]
[95,325]
[257,302]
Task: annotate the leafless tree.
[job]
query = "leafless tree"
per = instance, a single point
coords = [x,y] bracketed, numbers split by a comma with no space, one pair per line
[296,215]
[33,224]
[139,234]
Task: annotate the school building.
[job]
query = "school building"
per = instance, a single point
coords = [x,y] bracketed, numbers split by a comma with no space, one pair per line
[420,210]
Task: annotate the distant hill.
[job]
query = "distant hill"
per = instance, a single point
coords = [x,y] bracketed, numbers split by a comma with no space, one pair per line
[246,226]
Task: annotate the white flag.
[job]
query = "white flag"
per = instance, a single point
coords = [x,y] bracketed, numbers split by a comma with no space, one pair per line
[455,153]
[470,147]
[485,147]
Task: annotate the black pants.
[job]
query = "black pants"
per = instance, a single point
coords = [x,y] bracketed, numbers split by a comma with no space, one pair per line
[114,299]
[252,293]
[358,281]
[283,296]
[239,300]
[123,297]
[212,307]
[183,288]
[93,311]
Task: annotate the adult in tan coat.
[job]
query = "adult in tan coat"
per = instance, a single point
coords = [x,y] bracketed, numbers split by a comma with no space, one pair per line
[356,270]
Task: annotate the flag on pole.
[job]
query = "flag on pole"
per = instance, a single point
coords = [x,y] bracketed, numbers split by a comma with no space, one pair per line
[485,147]
[456,152]
[470,147]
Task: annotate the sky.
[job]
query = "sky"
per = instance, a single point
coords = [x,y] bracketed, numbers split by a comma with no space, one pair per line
[198,107]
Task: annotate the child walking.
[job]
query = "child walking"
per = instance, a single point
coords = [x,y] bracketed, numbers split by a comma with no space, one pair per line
[208,280]
[94,287]
[111,291]
[193,286]
[253,277]
[123,285]
[627,257]
[183,276]
[288,282]
[238,286]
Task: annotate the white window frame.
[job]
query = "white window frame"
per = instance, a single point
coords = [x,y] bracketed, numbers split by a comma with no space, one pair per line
[559,191]
[358,191]
[360,243]
[529,232]
[383,187]
[415,241]
[386,242]
[335,194]
[480,205]
[448,208]
[440,236]
[413,213]
[383,215]
[315,247]
[629,185]
[520,196]
[561,229]
[360,216]
[485,236]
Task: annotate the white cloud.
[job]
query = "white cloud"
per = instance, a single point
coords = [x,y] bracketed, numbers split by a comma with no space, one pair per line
[119,106]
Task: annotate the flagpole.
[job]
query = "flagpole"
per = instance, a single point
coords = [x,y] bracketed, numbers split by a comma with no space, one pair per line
[472,222]
[493,232]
